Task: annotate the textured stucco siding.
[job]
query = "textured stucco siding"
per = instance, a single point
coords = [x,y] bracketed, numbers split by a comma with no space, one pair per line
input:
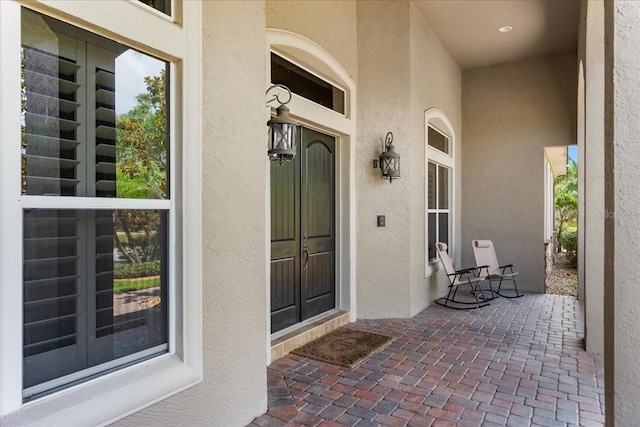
[591,55]
[510,113]
[383,106]
[593,60]
[331,24]
[234,388]
[622,228]
[436,82]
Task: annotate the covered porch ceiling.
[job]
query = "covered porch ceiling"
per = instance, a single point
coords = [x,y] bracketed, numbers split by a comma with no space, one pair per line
[469,29]
[558,158]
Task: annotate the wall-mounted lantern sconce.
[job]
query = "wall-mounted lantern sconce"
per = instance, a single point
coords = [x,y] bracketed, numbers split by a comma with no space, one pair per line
[283,130]
[389,160]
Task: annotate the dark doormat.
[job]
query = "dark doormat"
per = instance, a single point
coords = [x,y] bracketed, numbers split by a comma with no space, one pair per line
[345,346]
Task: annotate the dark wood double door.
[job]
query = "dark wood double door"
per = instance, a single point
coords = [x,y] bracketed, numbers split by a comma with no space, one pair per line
[302,232]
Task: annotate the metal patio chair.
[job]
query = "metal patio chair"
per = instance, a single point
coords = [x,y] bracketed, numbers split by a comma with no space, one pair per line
[487,263]
[458,278]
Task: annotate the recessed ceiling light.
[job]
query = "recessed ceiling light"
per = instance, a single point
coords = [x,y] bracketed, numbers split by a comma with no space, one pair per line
[505,29]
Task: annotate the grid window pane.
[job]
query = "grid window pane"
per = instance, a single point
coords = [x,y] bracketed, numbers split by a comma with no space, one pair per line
[437,140]
[431,186]
[443,188]
[94,119]
[443,228]
[432,236]
[95,287]
[437,207]
[306,84]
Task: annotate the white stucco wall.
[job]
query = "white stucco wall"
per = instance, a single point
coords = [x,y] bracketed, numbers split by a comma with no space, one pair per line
[383,106]
[331,24]
[511,111]
[435,83]
[622,230]
[234,161]
[403,71]
[593,58]
[581,161]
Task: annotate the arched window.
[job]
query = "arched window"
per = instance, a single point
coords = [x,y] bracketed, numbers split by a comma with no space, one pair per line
[439,185]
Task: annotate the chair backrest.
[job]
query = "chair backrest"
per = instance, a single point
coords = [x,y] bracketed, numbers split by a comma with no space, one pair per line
[441,248]
[485,254]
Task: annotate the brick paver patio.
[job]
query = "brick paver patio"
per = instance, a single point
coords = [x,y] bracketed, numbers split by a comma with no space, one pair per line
[517,362]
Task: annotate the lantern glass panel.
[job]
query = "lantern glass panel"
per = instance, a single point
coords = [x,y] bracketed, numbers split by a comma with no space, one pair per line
[282,140]
[391,167]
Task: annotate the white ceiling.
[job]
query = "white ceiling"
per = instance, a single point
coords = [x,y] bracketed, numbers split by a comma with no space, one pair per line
[557,159]
[468,29]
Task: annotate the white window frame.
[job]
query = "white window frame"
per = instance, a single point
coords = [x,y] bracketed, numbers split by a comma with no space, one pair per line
[437,197]
[437,120]
[137,386]
[311,71]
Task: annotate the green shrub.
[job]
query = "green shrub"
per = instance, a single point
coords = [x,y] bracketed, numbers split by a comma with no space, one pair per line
[125,285]
[127,270]
[569,242]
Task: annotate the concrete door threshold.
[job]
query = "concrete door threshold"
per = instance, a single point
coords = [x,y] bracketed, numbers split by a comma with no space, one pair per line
[281,346]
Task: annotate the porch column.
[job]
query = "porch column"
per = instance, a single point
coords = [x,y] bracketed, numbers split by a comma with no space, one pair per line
[622,225]
[594,212]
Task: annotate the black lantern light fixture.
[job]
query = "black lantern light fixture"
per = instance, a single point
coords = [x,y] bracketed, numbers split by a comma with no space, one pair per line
[283,130]
[389,160]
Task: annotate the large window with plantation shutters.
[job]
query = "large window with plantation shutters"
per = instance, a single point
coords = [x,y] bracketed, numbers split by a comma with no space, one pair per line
[95,277]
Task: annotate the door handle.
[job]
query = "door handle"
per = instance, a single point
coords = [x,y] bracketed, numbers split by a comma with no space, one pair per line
[305,257]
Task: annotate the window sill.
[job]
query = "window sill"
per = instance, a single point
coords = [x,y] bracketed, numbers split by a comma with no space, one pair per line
[432,267]
[111,397]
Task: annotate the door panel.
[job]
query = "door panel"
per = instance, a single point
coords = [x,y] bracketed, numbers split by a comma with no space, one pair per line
[284,293]
[318,213]
[318,184]
[302,232]
[285,241]
[319,275]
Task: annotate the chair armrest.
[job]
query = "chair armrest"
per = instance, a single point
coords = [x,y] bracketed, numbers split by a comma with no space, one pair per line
[465,274]
[467,278]
[504,268]
[480,268]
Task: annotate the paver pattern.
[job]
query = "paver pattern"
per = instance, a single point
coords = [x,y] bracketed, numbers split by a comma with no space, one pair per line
[517,362]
